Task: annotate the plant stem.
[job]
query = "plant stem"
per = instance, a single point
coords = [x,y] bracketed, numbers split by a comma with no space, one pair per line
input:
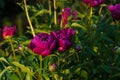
[90,16]
[55,13]
[99,17]
[100,10]
[27,14]
[50,11]
[40,67]
[19,74]
[117,32]
[13,49]
[77,56]
[61,23]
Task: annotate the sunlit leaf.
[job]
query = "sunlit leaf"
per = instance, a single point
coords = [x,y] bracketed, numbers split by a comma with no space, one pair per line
[23,68]
[28,77]
[6,69]
[78,25]
[46,77]
[3,59]
[41,12]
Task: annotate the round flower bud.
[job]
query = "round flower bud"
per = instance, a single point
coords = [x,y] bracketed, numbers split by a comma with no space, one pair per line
[78,48]
[53,67]
[20,48]
[117,49]
[93,26]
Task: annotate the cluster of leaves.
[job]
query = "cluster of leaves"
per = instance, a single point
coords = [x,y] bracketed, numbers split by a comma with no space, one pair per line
[92,56]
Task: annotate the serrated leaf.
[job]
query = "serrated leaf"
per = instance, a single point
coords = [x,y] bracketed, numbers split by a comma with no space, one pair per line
[78,25]
[23,68]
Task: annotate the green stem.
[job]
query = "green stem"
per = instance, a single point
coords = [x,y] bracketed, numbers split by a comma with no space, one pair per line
[68,56]
[99,17]
[117,32]
[61,23]
[55,13]
[13,49]
[19,74]
[90,16]
[77,56]
[100,10]
[40,67]
[27,14]
[50,11]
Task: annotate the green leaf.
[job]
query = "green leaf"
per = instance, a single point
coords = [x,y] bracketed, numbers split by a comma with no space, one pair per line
[46,77]
[23,68]
[77,70]
[6,69]
[3,59]
[13,76]
[84,74]
[41,12]
[116,75]
[80,14]
[3,42]
[28,77]
[78,25]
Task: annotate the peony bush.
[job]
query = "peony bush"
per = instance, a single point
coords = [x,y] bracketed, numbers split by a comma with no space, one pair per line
[61,40]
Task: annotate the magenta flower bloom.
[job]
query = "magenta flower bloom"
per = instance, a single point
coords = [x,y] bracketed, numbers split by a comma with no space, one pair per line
[93,3]
[115,11]
[8,31]
[65,38]
[43,44]
[66,13]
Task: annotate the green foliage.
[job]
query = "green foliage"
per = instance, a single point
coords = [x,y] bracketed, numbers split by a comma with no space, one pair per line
[96,34]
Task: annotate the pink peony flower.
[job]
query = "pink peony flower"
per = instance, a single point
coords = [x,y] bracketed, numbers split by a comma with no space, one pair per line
[65,38]
[43,44]
[115,11]
[66,13]
[8,31]
[93,3]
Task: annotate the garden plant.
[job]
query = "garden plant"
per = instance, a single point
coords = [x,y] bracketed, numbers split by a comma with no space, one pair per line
[60,40]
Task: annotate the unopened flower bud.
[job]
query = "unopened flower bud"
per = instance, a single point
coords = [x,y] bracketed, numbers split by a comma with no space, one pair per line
[20,48]
[93,26]
[53,67]
[117,49]
[78,48]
